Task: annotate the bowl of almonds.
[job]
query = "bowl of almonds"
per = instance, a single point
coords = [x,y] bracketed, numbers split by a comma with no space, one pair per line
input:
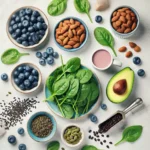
[124,21]
[71,34]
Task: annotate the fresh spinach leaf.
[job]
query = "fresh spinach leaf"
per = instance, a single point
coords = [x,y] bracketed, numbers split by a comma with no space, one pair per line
[94,91]
[89,147]
[57,7]
[55,145]
[49,83]
[84,75]
[68,111]
[83,6]
[131,134]
[104,37]
[11,56]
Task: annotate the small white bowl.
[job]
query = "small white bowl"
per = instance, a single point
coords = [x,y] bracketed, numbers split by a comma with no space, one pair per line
[44,37]
[65,142]
[27,91]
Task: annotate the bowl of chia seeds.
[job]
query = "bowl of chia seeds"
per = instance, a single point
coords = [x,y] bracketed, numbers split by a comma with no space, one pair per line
[41,126]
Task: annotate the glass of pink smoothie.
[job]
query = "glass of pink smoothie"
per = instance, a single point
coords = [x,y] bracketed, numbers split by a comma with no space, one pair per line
[102,60]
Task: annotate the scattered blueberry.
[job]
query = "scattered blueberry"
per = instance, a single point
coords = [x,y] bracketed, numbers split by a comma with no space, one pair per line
[137,60]
[98,19]
[22,147]
[42,62]
[50,60]
[21,131]
[104,106]
[12,139]
[93,118]
[38,54]
[55,55]
[141,72]
[45,55]
[50,50]
[4,77]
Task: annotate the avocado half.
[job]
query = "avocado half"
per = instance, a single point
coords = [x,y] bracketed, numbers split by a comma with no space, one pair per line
[126,73]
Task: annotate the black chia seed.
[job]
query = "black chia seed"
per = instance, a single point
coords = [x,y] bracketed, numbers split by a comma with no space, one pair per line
[14,111]
[107,146]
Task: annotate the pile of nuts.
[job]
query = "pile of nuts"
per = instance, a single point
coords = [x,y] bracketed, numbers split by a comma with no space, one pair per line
[124,20]
[70,34]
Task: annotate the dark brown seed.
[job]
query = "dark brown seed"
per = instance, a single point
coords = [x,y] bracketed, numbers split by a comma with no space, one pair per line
[101,143]
[90,131]
[110,143]
[107,146]
[107,136]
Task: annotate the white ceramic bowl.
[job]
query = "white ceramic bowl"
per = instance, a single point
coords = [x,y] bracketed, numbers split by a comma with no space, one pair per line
[27,91]
[71,145]
[44,37]
[126,35]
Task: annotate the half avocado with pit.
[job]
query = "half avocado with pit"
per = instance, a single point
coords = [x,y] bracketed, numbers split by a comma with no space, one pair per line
[120,85]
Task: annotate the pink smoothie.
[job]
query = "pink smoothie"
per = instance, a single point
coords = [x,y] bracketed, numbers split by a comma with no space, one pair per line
[101,59]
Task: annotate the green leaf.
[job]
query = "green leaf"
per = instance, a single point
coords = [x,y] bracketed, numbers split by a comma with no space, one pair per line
[68,111]
[131,134]
[11,56]
[57,7]
[104,37]
[83,6]
[49,83]
[84,75]
[55,145]
[89,147]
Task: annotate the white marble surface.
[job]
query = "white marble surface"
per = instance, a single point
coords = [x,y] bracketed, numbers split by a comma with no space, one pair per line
[141,89]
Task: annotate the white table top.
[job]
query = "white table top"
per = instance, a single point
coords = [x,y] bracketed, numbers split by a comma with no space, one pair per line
[141,89]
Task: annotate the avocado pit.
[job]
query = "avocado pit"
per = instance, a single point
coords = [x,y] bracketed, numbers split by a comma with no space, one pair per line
[120,87]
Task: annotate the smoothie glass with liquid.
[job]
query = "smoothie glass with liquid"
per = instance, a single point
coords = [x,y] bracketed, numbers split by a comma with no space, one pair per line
[102,60]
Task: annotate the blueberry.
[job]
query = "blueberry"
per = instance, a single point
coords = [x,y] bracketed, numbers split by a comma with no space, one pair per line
[31,43]
[17,19]
[34,84]
[50,60]
[10,30]
[137,60]
[24,30]
[20,25]
[32,33]
[16,73]
[35,13]
[21,131]
[55,55]
[42,32]
[15,26]
[21,77]
[24,37]
[13,16]
[27,17]
[14,35]
[40,36]
[141,72]
[35,72]
[25,43]
[22,19]
[17,81]
[20,69]
[28,11]
[22,87]
[33,19]
[104,106]
[4,77]
[22,12]
[98,19]
[38,54]
[31,24]
[28,68]
[30,29]
[40,19]
[22,147]
[39,25]
[35,78]
[18,32]
[27,83]
[50,50]
[42,62]
[12,22]
[45,55]
[28,34]
[25,23]
[31,78]
[35,38]
[44,26]
[93,118]
[12,139]
[29,38]
[27,74]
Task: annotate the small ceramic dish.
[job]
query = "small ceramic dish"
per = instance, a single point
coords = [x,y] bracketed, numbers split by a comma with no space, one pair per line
[83,43]
[44,37]
[33,89]
[72,145]
[32,135]
[126,35]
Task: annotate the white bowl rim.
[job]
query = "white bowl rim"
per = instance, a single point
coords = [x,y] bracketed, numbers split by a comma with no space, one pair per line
[27,91]
[35,45]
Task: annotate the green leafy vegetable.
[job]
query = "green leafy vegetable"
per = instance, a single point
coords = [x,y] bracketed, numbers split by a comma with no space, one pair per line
[104,37]
[49,82]
[57,7]
[89,147]
[83,6]
[55,145]
[11,56]
[131,134]
[84,75]
[68,111]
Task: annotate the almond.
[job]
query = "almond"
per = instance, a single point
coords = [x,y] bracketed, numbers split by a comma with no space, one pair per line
[75,38]
[122,49]
[78,23]
[70,34]
[80,32]
[132,45]
[65,34]
[71,43]
[129,23]
[133,26]
[65,41]
[137,48]
[127,30]
[121,10]
[74,32]
[56,35]
[125,25]
[66,21]
[76,45]
[82,37]
[114,25]
[121,29]
[77,29]
[132,14]
[71,21]
[61,37]
[59,41]
[73,26]
[129,54]
[123,14]
[115,18]
[68,46]
[60,24]
[118,14]
[128,11]
[123,19]
[114,13]
[64,29]
[133,19]
[82,27]
[128,17]
[118,23]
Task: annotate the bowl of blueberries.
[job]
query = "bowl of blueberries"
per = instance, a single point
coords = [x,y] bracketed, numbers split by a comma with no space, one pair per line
[26,78]
[27,27]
